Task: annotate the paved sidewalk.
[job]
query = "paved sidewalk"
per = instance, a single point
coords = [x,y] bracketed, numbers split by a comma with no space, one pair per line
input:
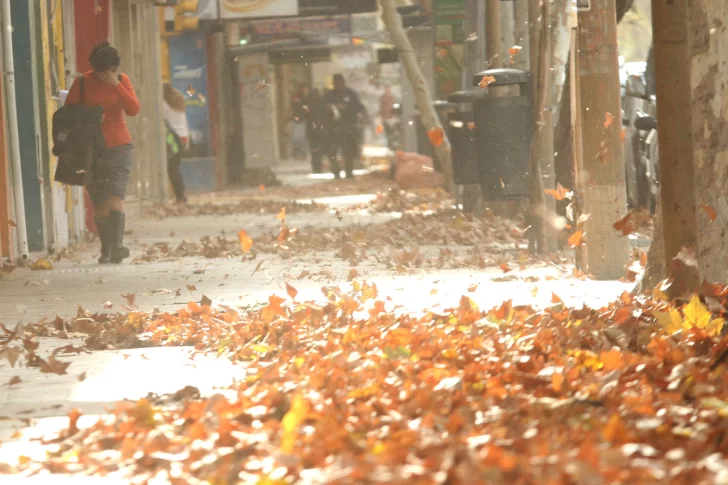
[43,400]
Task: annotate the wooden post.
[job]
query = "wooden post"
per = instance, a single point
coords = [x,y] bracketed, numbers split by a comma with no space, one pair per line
[430,120]
[493,38]
[604,186]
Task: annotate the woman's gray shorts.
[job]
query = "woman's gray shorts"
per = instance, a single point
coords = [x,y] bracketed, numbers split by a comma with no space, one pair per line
[111,171]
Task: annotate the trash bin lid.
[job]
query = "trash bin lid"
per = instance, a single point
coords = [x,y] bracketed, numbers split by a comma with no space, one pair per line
[503,77]
[468,96]
[442,104]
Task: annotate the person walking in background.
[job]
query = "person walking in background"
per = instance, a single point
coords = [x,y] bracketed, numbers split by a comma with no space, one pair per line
[347,113]
[311,113]
[104,86]
[178,138]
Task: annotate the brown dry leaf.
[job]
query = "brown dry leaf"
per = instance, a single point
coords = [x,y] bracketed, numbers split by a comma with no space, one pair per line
[575,239]
[688,257]
[292,292]
[81,377]
[245,241]
[191,288]
[130,298]
[608,119]
[14,380]
[257,267]
[710,211]
[12,223]
[473,288]
[635,220]
[54,366]
[556,299]
[205,301]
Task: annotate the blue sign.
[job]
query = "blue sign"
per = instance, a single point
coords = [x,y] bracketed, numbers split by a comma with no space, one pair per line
[188,68]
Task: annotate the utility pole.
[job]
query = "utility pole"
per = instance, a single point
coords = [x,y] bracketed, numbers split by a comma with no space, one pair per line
[493,38]
[673,62]
[541,82]
[604,187]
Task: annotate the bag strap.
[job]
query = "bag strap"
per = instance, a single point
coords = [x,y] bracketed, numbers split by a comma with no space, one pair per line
[81,87]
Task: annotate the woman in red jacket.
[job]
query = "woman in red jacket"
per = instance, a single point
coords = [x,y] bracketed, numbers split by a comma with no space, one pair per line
[105,87]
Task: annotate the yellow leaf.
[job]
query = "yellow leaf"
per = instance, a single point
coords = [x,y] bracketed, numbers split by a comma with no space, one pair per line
[42,265]
[670,321]
[291,421]
[450,353]
[696,314]
[715,327]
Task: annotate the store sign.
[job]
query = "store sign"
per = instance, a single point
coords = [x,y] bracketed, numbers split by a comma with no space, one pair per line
[266,30]
[239,9]
[336,7]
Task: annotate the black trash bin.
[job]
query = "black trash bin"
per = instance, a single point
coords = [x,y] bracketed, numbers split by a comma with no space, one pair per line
[461,130]
[504,130]
[424,147]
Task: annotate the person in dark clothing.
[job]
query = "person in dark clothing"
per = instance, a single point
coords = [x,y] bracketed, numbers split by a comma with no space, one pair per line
[311,111]
[345,115]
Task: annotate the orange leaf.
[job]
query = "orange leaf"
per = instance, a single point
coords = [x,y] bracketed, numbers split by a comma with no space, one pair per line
[575,239]
[557,381]
[559,194]
[436,136]
[615,431]
[292,292]
[486,81]
[555,298]
[514,50]
[608,119]
[73,421]
[710,211]
[245,242]
[261,189]
[282,214]
[471,125]
[380,129]
[506,268]
[623,135]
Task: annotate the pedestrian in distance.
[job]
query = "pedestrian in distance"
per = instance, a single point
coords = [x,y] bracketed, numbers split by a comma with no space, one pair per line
[346,114]
[311,111]
[105,86]
[177,138]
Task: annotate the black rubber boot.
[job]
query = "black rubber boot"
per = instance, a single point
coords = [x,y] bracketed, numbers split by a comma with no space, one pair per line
[117,220]
[102,225]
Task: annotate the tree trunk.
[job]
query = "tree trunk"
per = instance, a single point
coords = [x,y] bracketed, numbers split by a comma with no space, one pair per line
[655,268]
[709,78]
[605,197]
[672,52]
[430,120]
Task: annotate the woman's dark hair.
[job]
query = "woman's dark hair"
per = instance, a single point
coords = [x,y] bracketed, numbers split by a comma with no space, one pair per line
[104,57]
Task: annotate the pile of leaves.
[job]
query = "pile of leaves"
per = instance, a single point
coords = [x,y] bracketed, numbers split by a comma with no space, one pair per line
[245,206]
[421,200]
[396,243]
[345,391]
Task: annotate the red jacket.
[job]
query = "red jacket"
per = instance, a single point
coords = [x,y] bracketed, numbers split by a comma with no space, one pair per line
[115,100]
